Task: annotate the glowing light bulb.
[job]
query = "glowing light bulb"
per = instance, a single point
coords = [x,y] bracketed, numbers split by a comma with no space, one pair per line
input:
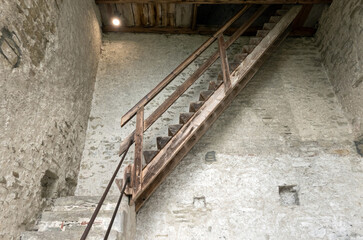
[116,22]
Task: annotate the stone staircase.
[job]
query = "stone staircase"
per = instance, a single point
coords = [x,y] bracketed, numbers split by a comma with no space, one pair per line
[67,218]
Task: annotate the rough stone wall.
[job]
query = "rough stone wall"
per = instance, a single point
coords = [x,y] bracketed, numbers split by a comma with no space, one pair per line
[49,53]
[340,36]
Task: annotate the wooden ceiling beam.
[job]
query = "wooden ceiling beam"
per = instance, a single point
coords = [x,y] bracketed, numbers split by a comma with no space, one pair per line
[218,1]
[201,30]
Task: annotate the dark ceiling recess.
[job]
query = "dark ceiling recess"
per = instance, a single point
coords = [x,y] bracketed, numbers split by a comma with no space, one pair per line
[186,18]
[217,15]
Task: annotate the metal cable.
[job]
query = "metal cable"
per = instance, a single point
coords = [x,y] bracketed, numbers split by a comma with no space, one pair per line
[99,205]
[116,209]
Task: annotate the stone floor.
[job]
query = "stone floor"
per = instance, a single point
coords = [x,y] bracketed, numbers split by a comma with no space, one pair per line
[285,164]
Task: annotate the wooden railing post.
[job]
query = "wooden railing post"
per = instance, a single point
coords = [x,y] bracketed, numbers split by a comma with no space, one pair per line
[224,61]
[139,132]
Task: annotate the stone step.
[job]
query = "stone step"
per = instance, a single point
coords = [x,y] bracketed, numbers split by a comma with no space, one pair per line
[204,95]
[262,33]
[162,141]
[248,48]
[184,117]
[275,19]
[75,221]
[281,12]
[95,234]
[61,226]
[255,40]
[268,26]
[75,203]
[173,129]
[50,216]
[149,155]
[194,106]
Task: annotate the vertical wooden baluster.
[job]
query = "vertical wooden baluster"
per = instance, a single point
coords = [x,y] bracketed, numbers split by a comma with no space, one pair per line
[138,149]
[224,61]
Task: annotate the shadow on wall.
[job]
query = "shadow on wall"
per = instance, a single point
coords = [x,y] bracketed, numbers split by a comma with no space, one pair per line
[49,184]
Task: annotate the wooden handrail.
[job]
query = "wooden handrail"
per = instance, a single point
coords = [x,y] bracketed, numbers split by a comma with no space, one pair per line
[217,1]
[224,61]
[131,113]
[162,108]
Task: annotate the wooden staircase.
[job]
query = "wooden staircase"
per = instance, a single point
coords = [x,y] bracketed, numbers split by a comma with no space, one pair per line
[147,175]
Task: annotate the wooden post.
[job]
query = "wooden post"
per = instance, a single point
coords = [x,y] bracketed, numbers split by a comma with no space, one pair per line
[138,149]
[194,18]
[224,61]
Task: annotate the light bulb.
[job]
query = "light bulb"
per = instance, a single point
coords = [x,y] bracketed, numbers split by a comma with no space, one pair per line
[116,22]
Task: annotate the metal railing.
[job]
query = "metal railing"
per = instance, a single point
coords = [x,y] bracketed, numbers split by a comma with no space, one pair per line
[99,205]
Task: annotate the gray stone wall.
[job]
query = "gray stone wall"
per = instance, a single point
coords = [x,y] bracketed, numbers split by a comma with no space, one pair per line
[340,37]
[49,54]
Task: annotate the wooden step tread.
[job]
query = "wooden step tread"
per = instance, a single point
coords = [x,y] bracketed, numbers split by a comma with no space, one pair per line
[275,19]
[233,66]
[240,56]
[162,141]
[149,155]
[281,12]
[248,48]
[184,117]
[205,95]
[268,26]
[262,33]
[214,85]
[173,129]
[194,106]
[255,40]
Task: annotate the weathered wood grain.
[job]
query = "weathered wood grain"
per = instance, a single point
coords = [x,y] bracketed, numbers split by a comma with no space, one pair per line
[220,1]
[224,61]
[139,135]
[152,15]
[183,15]
[136,9]
[171,14]
[126,14]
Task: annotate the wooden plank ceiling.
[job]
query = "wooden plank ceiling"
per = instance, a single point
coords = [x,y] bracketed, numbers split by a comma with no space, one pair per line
[180,16]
